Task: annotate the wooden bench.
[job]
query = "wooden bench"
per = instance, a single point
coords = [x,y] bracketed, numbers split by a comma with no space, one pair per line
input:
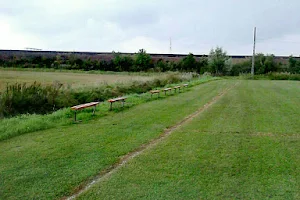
[166,90]
[185,86]
[122,99]
[83,106]
[177,87]
[155,92]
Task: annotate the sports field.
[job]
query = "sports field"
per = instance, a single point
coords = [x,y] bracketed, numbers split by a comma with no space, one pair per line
[226,139]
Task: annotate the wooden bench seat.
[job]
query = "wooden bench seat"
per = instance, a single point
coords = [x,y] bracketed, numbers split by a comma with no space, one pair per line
[185,86]
[155,92]
[83,106]
[166,90]
[122,99]
[177,87]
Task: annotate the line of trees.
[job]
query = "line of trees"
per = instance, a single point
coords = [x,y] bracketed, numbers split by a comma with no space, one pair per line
[217,63]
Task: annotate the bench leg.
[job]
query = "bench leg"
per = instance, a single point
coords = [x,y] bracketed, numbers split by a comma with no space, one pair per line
[165,93]
[94,110]
[151,95]
[110,106]
[123,104]
[75,116]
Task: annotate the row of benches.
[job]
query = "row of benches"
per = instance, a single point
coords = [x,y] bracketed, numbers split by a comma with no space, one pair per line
[168,89]
[121,99]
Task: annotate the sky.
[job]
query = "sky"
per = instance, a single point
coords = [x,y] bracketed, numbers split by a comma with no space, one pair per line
[192,26]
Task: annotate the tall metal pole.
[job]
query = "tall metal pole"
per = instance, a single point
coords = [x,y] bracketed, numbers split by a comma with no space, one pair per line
[170,45]
[253,57]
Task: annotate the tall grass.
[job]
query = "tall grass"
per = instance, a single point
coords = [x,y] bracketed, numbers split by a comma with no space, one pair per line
[26,123]
[39,99]
[272,76]
[82,71]
[22,98]
[284,76]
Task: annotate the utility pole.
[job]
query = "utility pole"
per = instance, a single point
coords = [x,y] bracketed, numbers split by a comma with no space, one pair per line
[253,57]
[170,45]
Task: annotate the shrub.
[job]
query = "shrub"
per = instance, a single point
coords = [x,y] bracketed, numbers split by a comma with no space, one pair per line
[142,61]
[122,63]
[240,68]
[284,76]
[202,65]
[217,61]
[188,63]
[22,98]
[294,65]
[161,66]
[265,64]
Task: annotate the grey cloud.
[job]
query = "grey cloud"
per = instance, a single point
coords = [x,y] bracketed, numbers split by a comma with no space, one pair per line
[193,25]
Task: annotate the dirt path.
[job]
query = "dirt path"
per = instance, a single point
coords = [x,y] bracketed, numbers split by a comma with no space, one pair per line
[106,173]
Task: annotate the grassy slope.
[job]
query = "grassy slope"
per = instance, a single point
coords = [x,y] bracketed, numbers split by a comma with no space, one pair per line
[246,146]
[50,164]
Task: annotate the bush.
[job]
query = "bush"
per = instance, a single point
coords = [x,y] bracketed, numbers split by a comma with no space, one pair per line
[284,76]
[161,66]
[188,63]
[240,68]
[272,76]
[202,65]
[294,65]
[265,64]
[122,63]
[22,98]
[217,61]
[142,61]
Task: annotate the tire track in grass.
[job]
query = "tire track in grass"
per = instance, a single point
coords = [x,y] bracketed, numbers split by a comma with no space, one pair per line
[124,159]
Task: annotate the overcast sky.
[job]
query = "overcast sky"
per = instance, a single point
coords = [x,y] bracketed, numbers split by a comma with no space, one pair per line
[194,25]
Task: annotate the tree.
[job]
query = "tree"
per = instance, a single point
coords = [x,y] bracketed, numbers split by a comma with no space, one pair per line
[143,61]
[294,65]
[241,67]
[58,61]
[188,63]
[122,63]
[202,65]
[117,61]
[161,65]
[265,64]
[127,63]
[217,61]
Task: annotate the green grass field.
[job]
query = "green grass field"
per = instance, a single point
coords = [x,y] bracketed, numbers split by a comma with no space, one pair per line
[53,163]
[73,79]
[244,145]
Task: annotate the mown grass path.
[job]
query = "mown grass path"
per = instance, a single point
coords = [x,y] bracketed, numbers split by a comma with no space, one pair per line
[146,146]
[54,163]
[245,146]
